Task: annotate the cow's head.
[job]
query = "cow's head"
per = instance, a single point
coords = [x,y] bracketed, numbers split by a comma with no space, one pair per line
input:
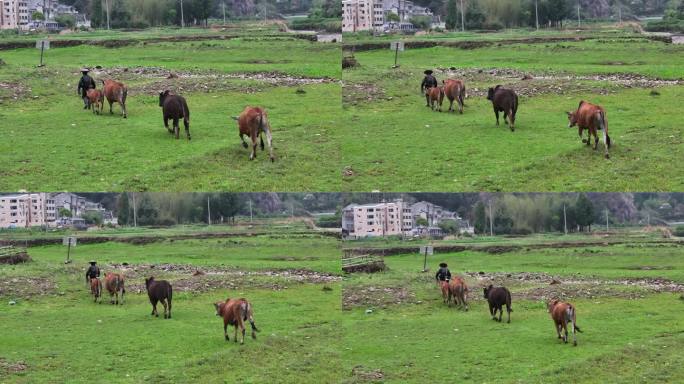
[218,306]
[572,119]
[486,291]
[162,97]
[490,94]
[551,304]
[148,281]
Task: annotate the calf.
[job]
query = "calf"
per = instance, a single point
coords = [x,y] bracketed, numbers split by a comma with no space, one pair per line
[506,101]
[591,117]
[235,312]
[114,283]
[95,100]
[444,287]
[159,291]
[175,107]
[252,122]
[497,297]
[96,289]
[563,313]
[458,289]
[455,90]
[115,92]
[436,97]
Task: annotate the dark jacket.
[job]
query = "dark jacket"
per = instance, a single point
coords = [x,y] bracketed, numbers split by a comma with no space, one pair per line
[85,84]
[429,81]
[443,274]
[93,272]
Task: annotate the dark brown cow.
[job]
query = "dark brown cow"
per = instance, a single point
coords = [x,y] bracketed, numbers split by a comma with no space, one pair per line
[455,90]
[252,122]
[159,291]
[506,101]
[497,297]
[235,312]
[115,92]
[96,289]
[458,289]
[436,97]
[95,100]
[175,107]
[563,313]
[114,283]
[591,117]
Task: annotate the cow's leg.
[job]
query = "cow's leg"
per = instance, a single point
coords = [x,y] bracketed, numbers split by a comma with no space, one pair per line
[186,123]
[558,329]
[176,128]
[242,138]
[496,113]
[511,121]
[163,301]
[252,156]
[500,313]
[235,339]
[427,98]
[122,295]
[565,331]
[595,134]
[225,330]
[254,328]
[154,308]
[605,143]
[460,104]
[261,142]
[242,329]
[110,107]
[508,310]
[574,336]
[166,124]
[123,108]
[451,105]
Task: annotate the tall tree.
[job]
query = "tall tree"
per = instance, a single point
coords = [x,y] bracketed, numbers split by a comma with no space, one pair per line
[480,222]
[123,209]
[452,15]
[584,212]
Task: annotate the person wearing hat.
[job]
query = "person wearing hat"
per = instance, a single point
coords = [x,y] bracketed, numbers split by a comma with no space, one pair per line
[92,272]
[443,273]
[429,81]
[84,85]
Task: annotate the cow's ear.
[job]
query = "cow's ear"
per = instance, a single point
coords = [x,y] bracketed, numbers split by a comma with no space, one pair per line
[569,114]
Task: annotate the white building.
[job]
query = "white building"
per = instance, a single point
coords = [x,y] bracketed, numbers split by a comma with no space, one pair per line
[362,15]
[14,14]
[27,210]
[71,202]
[381,219]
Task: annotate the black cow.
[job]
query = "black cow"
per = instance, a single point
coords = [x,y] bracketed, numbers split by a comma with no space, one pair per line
[175,107]
[497,297]
[159,291]
[506,101]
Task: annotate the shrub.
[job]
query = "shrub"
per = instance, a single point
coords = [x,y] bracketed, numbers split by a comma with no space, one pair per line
[679,231]
[666,26]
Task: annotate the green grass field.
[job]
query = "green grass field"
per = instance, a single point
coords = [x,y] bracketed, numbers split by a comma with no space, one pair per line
[394,143]
[628,305]
[55,145]
[59,335]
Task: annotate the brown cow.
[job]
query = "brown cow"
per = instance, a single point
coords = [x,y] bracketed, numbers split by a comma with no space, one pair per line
[96,289]
[455,90]
[458,289]
[235,312]
[95,100]
[563,313]
[115,92]
[444,287]
[506,101]
[159,291]
[251,122]
[591,117]
[114,283]
[436,97]
[175,107]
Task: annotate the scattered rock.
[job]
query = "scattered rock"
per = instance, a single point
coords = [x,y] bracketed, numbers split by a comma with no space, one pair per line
[9,367]
[12,302]
[554,281]
[362,374]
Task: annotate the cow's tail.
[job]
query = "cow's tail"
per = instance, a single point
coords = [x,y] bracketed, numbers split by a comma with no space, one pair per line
[264,127]
[573,316]
[603,123]
[508,301]
[169,296]
[248,314]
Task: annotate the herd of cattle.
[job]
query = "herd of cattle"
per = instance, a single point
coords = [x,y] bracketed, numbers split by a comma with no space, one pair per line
[234,312]
[590,117]
[252,122]
[562,313]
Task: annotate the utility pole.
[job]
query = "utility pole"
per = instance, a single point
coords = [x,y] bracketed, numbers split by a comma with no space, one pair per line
[28,220]
[182,17]
[135,211]
[208,212]
[536,13]
[250,211]
[462,17]
[579,21]
[107,4]
[620,11]
[491,220]
[565,221]
[606,219]
[224,11]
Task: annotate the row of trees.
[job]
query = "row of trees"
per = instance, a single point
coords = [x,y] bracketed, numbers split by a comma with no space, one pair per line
[496,14]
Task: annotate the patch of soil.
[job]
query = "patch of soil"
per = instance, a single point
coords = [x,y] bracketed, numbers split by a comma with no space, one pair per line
[26,287]
[375,266]
[371,296]
[13,91]
[356,93]
[12,367]
[16,258]
[363,374]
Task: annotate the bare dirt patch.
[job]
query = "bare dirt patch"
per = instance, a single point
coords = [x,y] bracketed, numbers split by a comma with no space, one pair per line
[363,374]
[26,287]
[372,296]
[356,93]
[12,367]
[13,91]
[17,258]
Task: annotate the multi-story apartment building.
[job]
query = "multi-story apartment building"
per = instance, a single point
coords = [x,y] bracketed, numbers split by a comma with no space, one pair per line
[361,15]
[381,219]
[14,14]
[432,213]
[27,210]
[71,202]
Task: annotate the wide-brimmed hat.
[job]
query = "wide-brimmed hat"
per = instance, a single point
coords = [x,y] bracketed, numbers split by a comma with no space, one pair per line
[428,72]
[93,262]
[85,69]
[443,265]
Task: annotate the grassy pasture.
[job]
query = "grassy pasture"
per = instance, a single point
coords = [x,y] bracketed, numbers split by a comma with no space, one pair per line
[55,145]
[630,331]
[61,335]
[394,143]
